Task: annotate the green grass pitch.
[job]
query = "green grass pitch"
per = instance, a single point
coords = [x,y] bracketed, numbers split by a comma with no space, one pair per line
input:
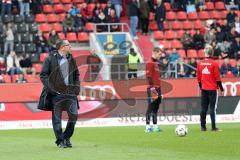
[123,143]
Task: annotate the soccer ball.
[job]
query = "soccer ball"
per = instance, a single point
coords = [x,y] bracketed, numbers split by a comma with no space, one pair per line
[181,130]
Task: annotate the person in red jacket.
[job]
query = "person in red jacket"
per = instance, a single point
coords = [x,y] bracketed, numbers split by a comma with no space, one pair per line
[208,75]
[154,88]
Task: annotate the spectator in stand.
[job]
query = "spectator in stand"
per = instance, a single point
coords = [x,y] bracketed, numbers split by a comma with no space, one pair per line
[26,65]
[2,66]
[174,56]
[86,13]
[164,62]
[235,47]
[200,5]
[13,66]
[237,69]
[237,25]
[231,17]
[24,6]
[67,24]
[101,18]
[21,79]
[52,40]
[160,15]
[190,7]
[113,19]
[220,35]
[192,72]
[78,24]
[118,7]
[187,41]
[74,10]
[36,6]
[226,68]
[108,8]
[96,11]
[178,5]
[198,40]
[144,16]
[41,43]
[8,33]
[181,68]
[133,10]
[6,7]
[231,4]
[210,37]
[225,48]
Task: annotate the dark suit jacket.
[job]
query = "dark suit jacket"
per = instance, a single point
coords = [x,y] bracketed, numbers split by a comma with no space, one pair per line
[53,80]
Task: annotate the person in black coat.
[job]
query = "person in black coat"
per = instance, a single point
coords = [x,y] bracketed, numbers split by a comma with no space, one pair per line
[60,78]
[160,15]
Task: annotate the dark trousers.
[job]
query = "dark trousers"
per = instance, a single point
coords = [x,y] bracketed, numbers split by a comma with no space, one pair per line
[68,104]
[153,106]
[132,73]
[160,25]
[144,23]
[208,99]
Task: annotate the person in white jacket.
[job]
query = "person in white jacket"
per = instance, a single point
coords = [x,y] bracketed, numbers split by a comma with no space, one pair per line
[13,66]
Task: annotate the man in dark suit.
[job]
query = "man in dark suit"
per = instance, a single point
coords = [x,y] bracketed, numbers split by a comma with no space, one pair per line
[60,78]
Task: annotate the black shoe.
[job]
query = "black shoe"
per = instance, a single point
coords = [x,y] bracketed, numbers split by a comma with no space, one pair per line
[68,143]
[203,129]
[216,129]
[62,145]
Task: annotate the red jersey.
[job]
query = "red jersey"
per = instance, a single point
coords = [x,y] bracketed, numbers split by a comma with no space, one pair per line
[208,73]
[153,72]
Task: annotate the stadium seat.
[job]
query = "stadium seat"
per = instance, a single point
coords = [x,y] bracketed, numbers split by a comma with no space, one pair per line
[6,78]
[176,25]
[153,26]
[40,18]
[233,62]
[25,38]
[30,48]
[57,27]
[182,53]
[80,6]
[45,27]
[90,7]
[61,35]
[52,18]
[16,39]
[166,25]
[187,25]
[83,37]
[209,6]
[220,6]
[215,15]
[151,16]
[38,67]
[197,24]
[167,6]
[29,19]
[192,16]
[7,18]
[66,1]
[47,8]
[67,7]
[201,53]
[176,44]
[203,15]
[22,28]
[43,56]
[165,44]
[61,17]
[59,8]
[192,53]
[158,35]
[71,37]
[103,5]
[30,78]
[18,19]
[192,32]
[170,16]
[18,48]
[46,35]
[56,1]
[181,15]
[1,29]
[224,14]
[179,34]
[89,27]
[169,35]
[221,22]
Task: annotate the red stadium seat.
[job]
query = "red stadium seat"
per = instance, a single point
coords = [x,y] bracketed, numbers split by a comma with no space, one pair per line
[176,25]
[179,34]
[71,37]
[89,26]
[191,53]
[176,44]
[103,5]
[67,7]
[40,18]
[56,1]
[66,1]
[220,6]
[47,8]
[14,78]
[59,8]
[233,62]
[61,17]
[57,27]
[170,16]
[43,56]
[182,53]
[52,18]
[30,78]
[46,35]
[80,5]
[61,35]
[153,26]
[90,7]
[151,16]
[187,25]
[221,22]
[45,27]
[169,35]
[78,1]
[181,15]
[192,32]
[201,53]
[224,14]
[83,37]
[192,16]
[167,6]
[38,67]
[165,44]
[203,15]
[197,24]
[6,78]
[158,35]
[166,25]
[209,6]
[215,15]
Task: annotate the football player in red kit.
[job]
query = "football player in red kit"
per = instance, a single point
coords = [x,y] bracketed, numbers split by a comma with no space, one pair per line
[209,80]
